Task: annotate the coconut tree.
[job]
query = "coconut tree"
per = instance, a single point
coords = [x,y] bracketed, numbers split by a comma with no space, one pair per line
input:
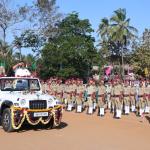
[122,32]
[116,35]
[104,29]
[121,29]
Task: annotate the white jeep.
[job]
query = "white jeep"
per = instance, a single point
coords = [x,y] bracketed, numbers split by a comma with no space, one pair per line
[22,100]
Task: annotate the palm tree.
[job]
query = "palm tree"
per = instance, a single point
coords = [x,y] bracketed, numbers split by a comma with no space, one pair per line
[104,29]
[121,29]
[122,32]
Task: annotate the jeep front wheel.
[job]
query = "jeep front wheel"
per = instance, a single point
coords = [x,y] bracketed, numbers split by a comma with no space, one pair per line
[6,120]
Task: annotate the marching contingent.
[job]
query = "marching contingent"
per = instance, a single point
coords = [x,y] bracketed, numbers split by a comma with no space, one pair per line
[120,97]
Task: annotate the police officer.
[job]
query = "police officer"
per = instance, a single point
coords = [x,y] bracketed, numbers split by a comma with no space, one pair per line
[72,87]
[101,98]
[108,94]
[54,87]
[117,98]
[59,89]
[91,90]
[132,97]
[126,98]
[68,91]
[141,101]
[147,98]
[79,96]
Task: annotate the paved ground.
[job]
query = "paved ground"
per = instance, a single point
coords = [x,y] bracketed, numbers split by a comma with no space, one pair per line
[83,132]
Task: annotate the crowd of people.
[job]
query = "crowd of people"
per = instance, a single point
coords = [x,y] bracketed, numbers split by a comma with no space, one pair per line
[120,97]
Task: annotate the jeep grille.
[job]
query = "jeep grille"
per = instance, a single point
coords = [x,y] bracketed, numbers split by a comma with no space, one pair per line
[37,104]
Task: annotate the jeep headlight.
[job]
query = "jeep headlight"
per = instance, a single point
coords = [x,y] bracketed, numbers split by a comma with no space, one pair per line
[22,102]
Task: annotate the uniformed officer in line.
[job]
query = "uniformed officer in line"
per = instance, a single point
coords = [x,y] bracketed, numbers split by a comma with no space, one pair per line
[141,101]
[65,95]
[91,90]
[72,87]
[54,87]
[117,99]
[49,88]
[79,95]
[147,97]
[59,89]
[68,91]
[85,97]
[101,98]
[112,97]
[108,94]
[126,97]
[43,86]
[133,97]
[120,84]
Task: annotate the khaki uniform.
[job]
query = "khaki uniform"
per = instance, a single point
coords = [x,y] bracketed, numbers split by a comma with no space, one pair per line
[43,87]
[65,91]
[90,94]
[126,95]
[141,101]
[147,96]
[54,88]
[126,99]
[132,95]
[108,95]
[101,96]
[79,94]
[116,96]
[68,94]
[59,91]
[72,92]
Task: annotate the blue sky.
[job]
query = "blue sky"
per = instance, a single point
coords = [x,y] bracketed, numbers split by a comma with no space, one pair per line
[95,10]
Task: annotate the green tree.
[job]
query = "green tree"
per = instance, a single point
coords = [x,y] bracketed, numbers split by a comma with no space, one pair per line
[141,55]
[72,51]
[121,29]
[116,35]
[29,39]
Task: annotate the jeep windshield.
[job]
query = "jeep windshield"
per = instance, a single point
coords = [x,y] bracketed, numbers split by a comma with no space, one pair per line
[19,84]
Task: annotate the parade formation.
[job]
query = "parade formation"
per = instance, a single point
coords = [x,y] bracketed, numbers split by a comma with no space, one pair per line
[120,97]
[25,97]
